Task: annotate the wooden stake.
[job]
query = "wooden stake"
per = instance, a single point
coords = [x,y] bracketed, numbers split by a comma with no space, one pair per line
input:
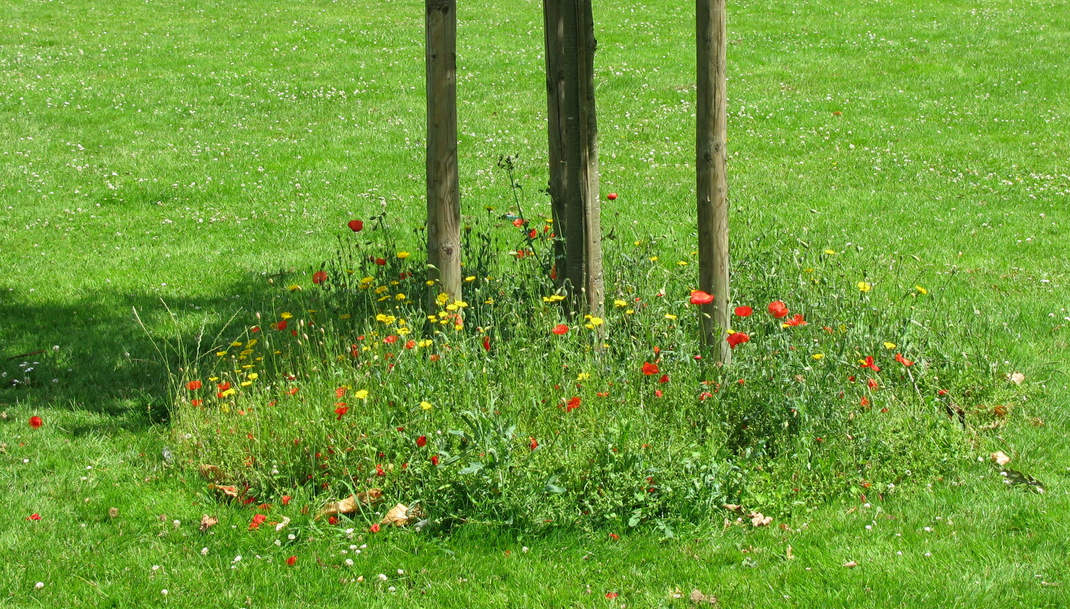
[443,190]
[712,188]
[573,140]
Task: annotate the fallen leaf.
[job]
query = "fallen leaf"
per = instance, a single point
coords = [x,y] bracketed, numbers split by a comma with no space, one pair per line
[784,527]
[758,520]
[788,554]
[698,597]
[208,522]
[850,565]
[732,507]
[1001,411]
[401,515]
[229,491]
[212,473]
[1000,458]
[113,512]
[351,503]
[1016,378]
[282,525]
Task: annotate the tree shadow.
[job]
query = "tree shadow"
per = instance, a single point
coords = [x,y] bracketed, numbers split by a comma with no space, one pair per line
[113,353]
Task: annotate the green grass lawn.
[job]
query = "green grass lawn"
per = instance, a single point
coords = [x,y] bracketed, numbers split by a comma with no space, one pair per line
[173,157]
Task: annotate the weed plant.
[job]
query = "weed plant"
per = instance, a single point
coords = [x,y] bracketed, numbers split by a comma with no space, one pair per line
[501,408]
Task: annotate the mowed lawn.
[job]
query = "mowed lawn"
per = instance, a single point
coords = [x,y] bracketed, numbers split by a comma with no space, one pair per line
[170,157]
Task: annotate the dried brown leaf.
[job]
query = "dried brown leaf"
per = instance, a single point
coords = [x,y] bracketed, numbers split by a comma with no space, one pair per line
[397,516]
[351,503]
[208,522]
[698,597]
[1000,458]
[850,564]
[113,512]
[211,473]
[1016,378]
[732,507]
[758,520]
[229,491]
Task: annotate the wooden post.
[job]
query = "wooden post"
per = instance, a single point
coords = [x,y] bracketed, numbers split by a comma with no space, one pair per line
[573,140]
[712,188]
[443,190]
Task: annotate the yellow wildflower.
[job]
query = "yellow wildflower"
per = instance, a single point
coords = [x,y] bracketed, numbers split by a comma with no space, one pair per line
[403,255]
[888,345]
[818,355]
[361,395]
[921,290]
[864,286]
[286,315]
[620,304]
[426,405]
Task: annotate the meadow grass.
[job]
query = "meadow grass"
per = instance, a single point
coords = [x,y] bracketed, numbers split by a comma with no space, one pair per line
[189,160]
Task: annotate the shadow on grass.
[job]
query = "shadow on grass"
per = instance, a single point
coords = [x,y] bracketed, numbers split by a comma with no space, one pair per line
[94,355]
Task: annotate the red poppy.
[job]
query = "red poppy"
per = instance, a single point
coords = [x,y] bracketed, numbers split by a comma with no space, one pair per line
[33,517]
[340,411]
[650,369]
[941,392]
[286,499]
[291,561]
[534,233]
[658,393]
[319,277]
[705,395]
[196,403]
[572,404]
[341,391]
[611,595]
[902,360]
[257,521]
[356,225]
[533,444]
[380,261]
[737,338]
[744,311]
[410,345]
[390,339]
[421,441]
[223,386]
[254,329]
[281,325]
[486,343]
[865,401]
[379,471]
[434,460]
[873,384]
[778,309]
[518,222]
[664,378]
[36,422]
[560,329]
[698,297]
[193,385]
[292,390]
[331,519]
[796,321]
[870,364]
[374,528]
[614,536]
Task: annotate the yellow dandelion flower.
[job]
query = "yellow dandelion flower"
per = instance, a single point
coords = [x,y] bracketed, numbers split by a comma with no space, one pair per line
[424,343]
[681,263]
[597,321]
[403,255]
[470,279]
[629,312]
[830,252]
[221,353]
[460,303]
[583,376]
[888,345]
[399,296]
[620,304]
[921,290]
[361,395]
[251,343]
[442,298]
[286,315]
[430,282]
[426,405]
[236,343]
[489,301]
[670,316]
[404,331]
[818,355]
[253,376]
[864,286]
[228,392]
[653,258]
[451,307]
[344,316]
[294,288]
[246,383]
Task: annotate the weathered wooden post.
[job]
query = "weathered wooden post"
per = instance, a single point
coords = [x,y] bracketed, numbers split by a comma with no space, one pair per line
[712,177]
[443,190]
[573,142]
